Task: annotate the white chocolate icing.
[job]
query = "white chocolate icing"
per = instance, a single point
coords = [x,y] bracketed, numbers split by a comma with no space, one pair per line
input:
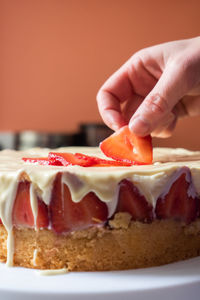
[34,203]
[103,181]
[34,260]
[52,272]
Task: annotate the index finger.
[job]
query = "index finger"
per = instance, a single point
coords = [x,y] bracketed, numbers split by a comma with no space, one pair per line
[133,79]
[109,98]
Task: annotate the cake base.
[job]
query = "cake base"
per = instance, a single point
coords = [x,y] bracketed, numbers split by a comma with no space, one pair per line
[123,245]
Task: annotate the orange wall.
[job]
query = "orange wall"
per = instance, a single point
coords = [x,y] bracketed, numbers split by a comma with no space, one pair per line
[55,54]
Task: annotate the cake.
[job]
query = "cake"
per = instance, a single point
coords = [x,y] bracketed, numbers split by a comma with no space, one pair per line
[99,218]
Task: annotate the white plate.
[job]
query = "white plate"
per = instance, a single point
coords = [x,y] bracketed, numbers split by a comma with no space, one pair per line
[174,281]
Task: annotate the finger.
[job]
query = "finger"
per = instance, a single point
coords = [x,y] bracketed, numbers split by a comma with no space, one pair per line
[118,85]
[110,110]
[166,128]
[191,106]
[110,97]
[187,106]
[131,80]
[172,86]
[130,106]
[142,74]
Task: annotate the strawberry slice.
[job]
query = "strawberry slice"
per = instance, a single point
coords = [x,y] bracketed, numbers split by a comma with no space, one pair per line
[125,146]
[181,201]
[37,160]
[99,162]
[130,200]
[83,160]
[66,159]
[45,161]
[67,216]
[110,163]
[22,214]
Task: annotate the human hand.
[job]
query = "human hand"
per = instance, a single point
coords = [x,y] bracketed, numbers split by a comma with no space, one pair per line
[153,89]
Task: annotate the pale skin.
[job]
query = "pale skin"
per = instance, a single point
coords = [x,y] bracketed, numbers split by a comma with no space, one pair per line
[153,89]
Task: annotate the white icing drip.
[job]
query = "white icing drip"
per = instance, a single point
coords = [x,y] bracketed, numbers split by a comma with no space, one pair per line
[112,205]
[10,248]
[34,203]
[43,180]
[151,186]
[79,189]
[8,189]
[52,272]
[35,252]
[195,179]
[191,190]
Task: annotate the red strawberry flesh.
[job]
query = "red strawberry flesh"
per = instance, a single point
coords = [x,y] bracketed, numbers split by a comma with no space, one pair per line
[132,201]
[37,160]
[67,159]
[22,214]
[181,201]
[96,161]
[22,211]
[125,146]
[67,216]
[42,215]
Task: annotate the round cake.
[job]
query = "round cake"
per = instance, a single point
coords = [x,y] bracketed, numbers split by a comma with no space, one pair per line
[99,218]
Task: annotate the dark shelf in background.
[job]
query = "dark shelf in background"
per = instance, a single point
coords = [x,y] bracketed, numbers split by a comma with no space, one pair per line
[89,134]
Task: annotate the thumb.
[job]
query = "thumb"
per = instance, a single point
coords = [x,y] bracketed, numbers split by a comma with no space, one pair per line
[173,84]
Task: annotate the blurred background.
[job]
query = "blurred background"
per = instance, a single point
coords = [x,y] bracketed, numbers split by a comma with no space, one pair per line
[55,55]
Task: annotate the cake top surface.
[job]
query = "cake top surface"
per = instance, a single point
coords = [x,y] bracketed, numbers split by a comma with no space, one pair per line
[102,180]
[163,158]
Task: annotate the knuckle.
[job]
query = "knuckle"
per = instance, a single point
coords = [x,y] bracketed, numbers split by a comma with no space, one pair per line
[183,64]
[136,61]
[101,98]
[187,69]
[98,97]
[138,55]
[166,128]
[157,104]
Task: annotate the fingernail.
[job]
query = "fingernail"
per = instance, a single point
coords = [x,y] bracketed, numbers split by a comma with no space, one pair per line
[110,121]
[115,127]
[139,126]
